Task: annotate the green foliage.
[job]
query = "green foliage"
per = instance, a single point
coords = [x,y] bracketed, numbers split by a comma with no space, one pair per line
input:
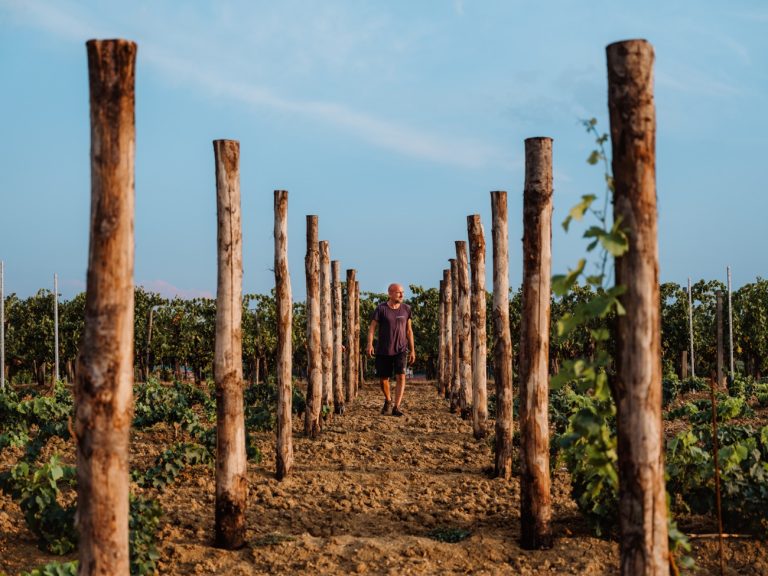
[172,462]
[743,461]
[55,569]
[143,524]
[449,534]
[273,538]
[700,411]
[38,494]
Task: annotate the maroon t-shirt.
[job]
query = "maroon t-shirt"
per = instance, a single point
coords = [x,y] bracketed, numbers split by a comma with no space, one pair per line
[393,335]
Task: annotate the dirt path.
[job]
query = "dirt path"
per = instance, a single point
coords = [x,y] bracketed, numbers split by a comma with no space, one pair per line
[364,497]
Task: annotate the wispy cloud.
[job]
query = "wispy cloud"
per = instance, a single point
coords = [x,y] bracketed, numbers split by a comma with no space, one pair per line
[211,75]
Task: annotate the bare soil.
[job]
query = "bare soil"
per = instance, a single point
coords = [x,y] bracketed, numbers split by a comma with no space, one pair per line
[368,498]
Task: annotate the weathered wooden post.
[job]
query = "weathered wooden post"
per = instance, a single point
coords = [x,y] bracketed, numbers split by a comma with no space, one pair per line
[720,347]
[690,328]
[637,385]
[231,461]
[447,333]
[535,499]
[55,327]
[476,236]
[326,323]
[284,304]
[730,326]
[351,353]
[440,336]
[684,365]
[338,373]
[502,348]
[314,353]
[465,329]
[456,333]
[358,357]
[104,384]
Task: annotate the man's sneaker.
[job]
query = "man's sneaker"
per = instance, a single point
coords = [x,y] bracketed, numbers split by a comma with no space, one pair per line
[386,408]
[396,411]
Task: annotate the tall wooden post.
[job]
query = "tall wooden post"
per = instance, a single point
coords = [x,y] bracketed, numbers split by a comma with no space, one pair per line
[231,462]
[535,499]
[104,384]
[358,359]
[351,353]
[55,327]
[284,304]
[502,347]
[476,236]
[457,331]
[326,323]
[684,365]
[314,353]
[637,386]
[440,336]
[465,329]
[448,334]
[730,326]
[720,346]
[690,328]
[338,374]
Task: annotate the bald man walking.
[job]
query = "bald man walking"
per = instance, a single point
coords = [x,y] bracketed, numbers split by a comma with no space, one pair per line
[394,346]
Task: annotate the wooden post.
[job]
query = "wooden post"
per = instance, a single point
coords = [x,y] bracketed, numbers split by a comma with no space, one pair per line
[448,334]
[358,359]
[637,386]
[456,333]
[465,329]
[284,304]
[502,347]
[350,335]
[338,373]
[476,236]
[730,326]
[684,365]
[690,328]
[314,353]
[55,328]
[535,499]
[231,460]
[440,341]
[104,385]
[720,347]
[326,323]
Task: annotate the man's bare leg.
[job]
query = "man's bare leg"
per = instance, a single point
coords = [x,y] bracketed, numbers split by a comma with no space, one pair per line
[385,389]
[399,389]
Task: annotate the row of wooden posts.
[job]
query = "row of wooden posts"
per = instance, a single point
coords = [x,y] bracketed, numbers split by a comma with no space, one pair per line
[104,383]
[637,384]
[105,376]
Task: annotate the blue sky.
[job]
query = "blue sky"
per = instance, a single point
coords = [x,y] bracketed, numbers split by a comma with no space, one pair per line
[390,120]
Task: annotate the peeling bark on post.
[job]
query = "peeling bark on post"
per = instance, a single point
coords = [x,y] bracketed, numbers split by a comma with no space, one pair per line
[338,355]
[457,330]
[284,304]
[104,385]
[326,323]
[231,462]
[465,330]
[637,386]
[476,236]
[350,352]
[448,334]
[314,353]
[502,347]
[535,498]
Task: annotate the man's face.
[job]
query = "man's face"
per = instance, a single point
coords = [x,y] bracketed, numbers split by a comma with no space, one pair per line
[396,293]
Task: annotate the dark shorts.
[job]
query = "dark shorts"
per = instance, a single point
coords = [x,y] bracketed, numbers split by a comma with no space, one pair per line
[388,365]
